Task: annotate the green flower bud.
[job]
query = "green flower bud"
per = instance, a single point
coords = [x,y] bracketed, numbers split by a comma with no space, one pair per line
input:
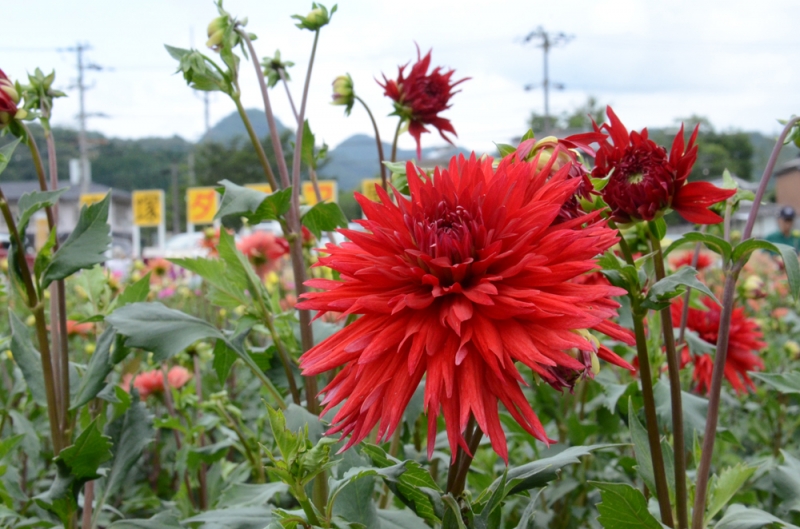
[316,18]
[343,93]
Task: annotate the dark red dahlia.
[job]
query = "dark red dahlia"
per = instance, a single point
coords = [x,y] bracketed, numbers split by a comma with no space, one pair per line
[458,284]
[743,343]
[9,98]
[643,181]
[421,96]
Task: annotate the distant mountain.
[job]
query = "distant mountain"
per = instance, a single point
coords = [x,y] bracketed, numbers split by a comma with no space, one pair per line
[231,127]
[356,158]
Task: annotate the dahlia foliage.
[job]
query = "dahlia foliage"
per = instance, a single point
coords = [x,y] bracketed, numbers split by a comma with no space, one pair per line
[456,284]
[744,343]
[420,96]
[644,181]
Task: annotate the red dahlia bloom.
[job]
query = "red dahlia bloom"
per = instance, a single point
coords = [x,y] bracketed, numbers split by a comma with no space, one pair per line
[421,96]
[704,260]
[9,98]
[644,181]
[457,284]
[263,249]
[743,343]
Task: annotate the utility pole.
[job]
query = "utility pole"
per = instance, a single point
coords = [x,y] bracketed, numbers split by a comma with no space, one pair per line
[546,41]
[83,148]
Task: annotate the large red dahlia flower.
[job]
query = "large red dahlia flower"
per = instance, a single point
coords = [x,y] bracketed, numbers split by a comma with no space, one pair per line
[420,96]
[457,284]
[743,343]
[644,182]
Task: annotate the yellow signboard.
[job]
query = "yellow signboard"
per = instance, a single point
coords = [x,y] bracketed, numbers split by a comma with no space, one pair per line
[87,199]
[328,190]
[201,205]
[368,188]
[264,188]
[148,207]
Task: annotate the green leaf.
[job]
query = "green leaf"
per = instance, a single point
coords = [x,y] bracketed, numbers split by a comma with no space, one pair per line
[44,256]
[164,331]
[85,246]
[789,257]
[504,149]
[324,216]
[660,294]
[30,203]
[224,357]
[256,206]
[8,444]
[740,517]
[695,410]
[725,486]
[247,495]
[237,517]
[28,359]
[782,382]
[527,516]
[130,433]
[307,152]
[226,290]
[786,481]
[136,292]
[714,243]
[641,448]
[90,450]
[658,227]
[100,365]
[395,519]
[747,247]
[452,518]
[6,151]
[624,507]
[162,520]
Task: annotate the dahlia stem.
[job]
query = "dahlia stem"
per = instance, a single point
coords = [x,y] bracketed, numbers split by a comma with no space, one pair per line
[262,156]
[288,93]
[721,353]
[651,420]
[378,141]
[35,306]
[58,329]
[396,137]
[284,356]
[674,373]
[457,475]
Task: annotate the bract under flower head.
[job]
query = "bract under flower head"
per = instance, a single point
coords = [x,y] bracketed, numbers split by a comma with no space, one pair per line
[744,342]
[9,98]
[420,96]
[457,284]
[644,182]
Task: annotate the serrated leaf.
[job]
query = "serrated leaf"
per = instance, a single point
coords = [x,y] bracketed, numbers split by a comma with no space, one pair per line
[256,206]
[740,517]
[225,290]
[100,365]
[324,216]
[87,453]
[136,292]
[789,256]
[782,382]
[28,359]
[725,486]
[660,294]
[224,357]
[6,151]
[30,203]
[624,507]
[164,331]
[86,245]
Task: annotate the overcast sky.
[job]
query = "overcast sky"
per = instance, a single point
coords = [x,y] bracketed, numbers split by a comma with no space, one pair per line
[736,62]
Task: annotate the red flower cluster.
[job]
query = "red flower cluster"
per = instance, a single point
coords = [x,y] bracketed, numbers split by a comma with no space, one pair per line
[457,284]
[9,98]
[79,329]
[263,249]
[744,340]
[151,382]
[643,181]
[704,260]
[421,96]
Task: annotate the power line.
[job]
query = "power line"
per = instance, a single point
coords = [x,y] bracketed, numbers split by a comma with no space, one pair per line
[546,41]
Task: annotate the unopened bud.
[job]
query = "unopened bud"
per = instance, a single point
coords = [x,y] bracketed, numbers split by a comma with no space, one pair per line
[595,364]
[792,348]
[754,287]
[343,93]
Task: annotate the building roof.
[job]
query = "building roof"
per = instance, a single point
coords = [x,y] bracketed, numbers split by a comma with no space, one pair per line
[788,167]
[14,190]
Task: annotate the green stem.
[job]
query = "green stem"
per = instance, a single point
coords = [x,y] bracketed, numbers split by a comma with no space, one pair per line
[255,461]
[377,140]
[301,497]
[284,356]
[651,420]
[262,156]
[41,330]
[674,373]
[396,137]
